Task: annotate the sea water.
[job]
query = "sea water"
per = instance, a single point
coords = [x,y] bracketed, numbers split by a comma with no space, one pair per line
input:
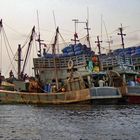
[70,122]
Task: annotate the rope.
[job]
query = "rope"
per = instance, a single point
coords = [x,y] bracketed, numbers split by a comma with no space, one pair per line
[26,41]
[5,39]
[13,29]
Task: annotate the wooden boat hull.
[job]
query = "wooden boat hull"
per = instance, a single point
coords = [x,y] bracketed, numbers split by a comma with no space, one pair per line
[9,97]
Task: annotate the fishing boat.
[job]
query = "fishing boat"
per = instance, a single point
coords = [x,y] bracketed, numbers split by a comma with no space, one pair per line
[56,80]
[125,62]
[133,87]
[60,78]
[131,81]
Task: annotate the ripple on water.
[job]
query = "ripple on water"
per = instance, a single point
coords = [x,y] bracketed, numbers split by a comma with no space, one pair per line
[69,122]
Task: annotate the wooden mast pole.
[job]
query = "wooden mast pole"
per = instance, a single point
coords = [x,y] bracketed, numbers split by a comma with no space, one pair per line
[87,29]
[19,61]
[99,47]
[54,56]
[28,49]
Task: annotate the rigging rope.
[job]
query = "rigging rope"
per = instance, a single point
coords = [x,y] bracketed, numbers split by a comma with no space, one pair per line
[9,67]
[7,41]
[13,29]
[26,41]
[8,53]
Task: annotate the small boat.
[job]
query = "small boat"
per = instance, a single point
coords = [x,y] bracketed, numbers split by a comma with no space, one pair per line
[133,87]
[109,90]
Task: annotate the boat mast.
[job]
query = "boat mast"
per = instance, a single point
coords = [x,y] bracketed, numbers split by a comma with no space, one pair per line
[75,34]
[54,56]
[29,46]
[39,40]
[87,28]
[1,25]
[19,61]
[122,39]
[99,47]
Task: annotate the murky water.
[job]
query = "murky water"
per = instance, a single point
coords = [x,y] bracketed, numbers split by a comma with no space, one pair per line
[71,122]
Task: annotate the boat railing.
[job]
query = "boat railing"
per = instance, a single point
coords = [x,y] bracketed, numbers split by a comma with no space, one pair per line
[61,62]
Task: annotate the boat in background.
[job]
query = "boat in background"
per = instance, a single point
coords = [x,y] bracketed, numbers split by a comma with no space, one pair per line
[125,62]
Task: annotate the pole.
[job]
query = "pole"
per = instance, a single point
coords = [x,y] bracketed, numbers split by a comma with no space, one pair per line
[39,40]
[99,47]
[75,34]
[87,28]
[98,44]
[54,56]
[122,39]
[19,61]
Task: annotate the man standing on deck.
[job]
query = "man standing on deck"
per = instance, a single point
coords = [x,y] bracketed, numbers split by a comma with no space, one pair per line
[101,82]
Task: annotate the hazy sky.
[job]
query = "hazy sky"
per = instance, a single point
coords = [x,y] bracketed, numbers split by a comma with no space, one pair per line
[19,16]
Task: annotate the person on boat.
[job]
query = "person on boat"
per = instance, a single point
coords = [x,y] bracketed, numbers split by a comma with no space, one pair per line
[138,79]
[106,80]
[25,76]
[11,75]
[21,75]
[101,82]
[33,85]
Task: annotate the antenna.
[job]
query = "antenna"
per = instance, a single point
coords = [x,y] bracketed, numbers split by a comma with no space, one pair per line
[54,19]
[87,28]
[57,30]
[109,41]
[101,26]
[87,14]
[38,21]
[39,40]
